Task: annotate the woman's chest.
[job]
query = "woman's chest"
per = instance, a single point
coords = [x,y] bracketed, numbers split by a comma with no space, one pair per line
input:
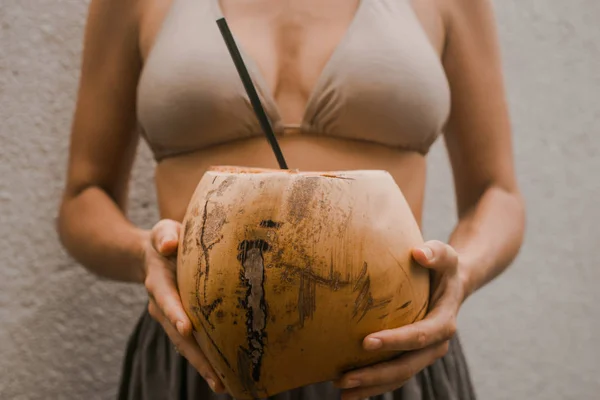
[358,69]
[290,41]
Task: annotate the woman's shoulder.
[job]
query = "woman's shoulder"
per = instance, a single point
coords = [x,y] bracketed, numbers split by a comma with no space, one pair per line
[447,20]
[135,22]
[112,22]
[466,12]
[115,12]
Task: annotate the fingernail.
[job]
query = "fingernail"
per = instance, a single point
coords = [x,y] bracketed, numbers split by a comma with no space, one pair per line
[168,238]
[212,384]
[428,253]
[351,384]
[179,325]
[373,344]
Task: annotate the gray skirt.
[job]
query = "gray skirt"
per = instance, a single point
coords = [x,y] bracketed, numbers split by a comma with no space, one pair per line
[153,370]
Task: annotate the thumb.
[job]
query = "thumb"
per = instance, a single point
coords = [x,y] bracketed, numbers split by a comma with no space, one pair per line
[165,237]
[436,255]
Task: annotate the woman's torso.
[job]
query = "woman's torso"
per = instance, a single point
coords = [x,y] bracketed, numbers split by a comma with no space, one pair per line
[347,85]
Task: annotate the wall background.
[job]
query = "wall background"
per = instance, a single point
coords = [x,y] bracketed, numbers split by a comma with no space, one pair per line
[529,335]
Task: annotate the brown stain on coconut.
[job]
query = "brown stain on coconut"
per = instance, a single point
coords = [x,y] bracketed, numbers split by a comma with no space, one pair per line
[252,277]
[303,191]
[364,301]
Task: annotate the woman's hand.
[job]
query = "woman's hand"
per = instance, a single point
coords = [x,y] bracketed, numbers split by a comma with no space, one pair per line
[424,341]
[164,300]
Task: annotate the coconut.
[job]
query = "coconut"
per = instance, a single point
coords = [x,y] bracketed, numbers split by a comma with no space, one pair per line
[283,273]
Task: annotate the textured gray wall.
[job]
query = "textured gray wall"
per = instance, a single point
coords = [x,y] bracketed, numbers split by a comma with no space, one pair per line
[529,335]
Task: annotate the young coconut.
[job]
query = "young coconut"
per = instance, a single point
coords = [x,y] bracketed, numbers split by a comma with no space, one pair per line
[283,273]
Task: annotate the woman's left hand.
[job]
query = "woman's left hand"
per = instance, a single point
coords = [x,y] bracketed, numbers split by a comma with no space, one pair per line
[424,341]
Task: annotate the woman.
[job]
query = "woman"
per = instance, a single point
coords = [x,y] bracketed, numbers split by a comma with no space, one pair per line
[347,84]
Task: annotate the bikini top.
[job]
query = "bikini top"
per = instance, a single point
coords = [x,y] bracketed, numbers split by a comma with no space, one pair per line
[384,83]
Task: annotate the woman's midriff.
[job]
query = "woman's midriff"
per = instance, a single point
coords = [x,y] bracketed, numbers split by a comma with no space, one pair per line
[177,177]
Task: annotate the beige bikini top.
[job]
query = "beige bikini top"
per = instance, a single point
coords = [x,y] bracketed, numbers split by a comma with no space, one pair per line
[384,84]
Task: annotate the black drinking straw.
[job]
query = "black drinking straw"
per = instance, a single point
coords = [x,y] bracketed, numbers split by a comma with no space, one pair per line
[251,90]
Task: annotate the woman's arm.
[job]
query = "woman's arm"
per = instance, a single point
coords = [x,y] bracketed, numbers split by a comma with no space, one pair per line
[91,224]
[478,138]
[491,212]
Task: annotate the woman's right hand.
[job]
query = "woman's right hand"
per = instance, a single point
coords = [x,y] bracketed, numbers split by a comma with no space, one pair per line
[160,268]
